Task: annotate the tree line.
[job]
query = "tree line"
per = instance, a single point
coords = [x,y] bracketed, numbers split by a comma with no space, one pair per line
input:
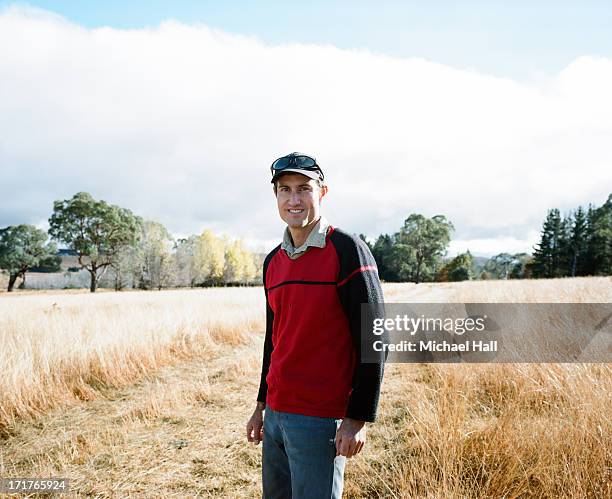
[112,243]
[579,244]
[123,250]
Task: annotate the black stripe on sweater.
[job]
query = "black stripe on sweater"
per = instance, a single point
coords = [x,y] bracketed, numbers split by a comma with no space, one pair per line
[333,283]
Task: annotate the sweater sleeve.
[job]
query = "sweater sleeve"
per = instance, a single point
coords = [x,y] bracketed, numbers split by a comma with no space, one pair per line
[358,283]
[268,347]
[267,353]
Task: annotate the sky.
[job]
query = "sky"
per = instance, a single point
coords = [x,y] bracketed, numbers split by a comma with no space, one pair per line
[489,113]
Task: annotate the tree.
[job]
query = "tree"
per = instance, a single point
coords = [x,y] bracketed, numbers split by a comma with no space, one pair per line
[426,240]
[125,268]
[185,261]
[578,243]
[401,262]
[209,258]
[547,256]
[381,251]
[520,266]
[95,230]
[21,248]
[599,246]
[499,265]
[239,263]
[459,268]
[507,266]
[153,256]
[564,262]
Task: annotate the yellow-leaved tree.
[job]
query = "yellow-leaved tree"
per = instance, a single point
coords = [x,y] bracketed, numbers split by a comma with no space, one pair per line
[209,258]
[239,263]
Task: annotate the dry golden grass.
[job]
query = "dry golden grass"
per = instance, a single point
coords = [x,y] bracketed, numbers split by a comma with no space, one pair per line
[494,431]
[147,394]
[61,348]
[564,290]
[501,430]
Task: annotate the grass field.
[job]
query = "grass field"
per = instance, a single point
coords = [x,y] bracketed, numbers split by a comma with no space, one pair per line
[147,394]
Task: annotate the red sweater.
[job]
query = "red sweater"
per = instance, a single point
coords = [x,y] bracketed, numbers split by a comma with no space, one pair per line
[311,360]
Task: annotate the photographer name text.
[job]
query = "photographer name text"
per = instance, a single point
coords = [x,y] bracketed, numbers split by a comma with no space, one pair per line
[436,346]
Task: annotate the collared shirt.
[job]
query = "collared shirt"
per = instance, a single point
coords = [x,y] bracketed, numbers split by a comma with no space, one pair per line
[315,238]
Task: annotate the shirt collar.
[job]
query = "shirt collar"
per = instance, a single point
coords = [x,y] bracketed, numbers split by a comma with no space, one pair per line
[315,238]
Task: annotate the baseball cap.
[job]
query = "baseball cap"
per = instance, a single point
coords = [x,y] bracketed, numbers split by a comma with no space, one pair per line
[296,162]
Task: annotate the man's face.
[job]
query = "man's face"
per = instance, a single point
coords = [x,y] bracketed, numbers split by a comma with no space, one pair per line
[298,199]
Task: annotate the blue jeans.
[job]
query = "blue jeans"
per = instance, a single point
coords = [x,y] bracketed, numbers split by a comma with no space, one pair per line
[299,457]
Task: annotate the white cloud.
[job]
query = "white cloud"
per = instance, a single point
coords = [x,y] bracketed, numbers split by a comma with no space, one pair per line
[180,123]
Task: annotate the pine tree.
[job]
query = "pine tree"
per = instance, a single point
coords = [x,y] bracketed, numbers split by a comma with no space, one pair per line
[558,245]
[564,264]
[578,244]
[589,257]
[547,255]
[600,239]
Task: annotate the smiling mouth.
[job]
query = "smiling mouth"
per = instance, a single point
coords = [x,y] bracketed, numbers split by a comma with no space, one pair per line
[295,212]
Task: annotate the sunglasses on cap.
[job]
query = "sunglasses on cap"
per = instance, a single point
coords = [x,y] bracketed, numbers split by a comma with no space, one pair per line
[297,161]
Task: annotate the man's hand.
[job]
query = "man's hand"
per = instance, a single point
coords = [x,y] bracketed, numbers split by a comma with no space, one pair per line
[254,428]
[350,437]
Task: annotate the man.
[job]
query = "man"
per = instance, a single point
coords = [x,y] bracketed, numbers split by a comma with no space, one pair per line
[316,392]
